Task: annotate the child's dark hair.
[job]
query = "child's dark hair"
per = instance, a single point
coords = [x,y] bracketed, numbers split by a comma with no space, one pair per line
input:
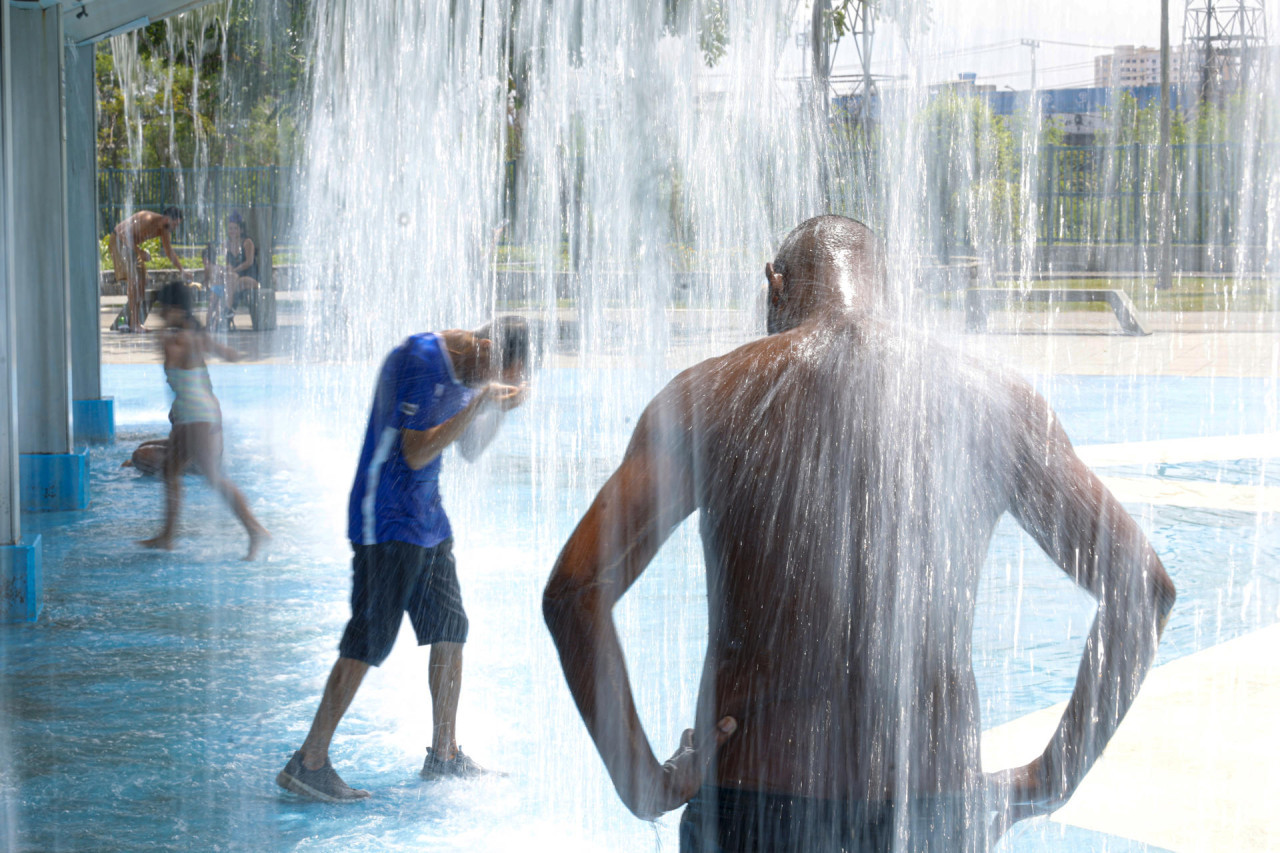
[510,336]
[207,254]
[176,294]
[173,212]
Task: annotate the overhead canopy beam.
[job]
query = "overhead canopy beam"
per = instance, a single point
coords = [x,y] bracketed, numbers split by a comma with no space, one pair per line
[86,22]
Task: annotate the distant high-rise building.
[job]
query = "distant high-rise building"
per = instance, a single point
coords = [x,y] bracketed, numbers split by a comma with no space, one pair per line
[1135,66]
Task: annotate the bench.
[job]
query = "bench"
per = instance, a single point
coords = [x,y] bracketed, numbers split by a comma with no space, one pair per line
[261,303]
[262,309]
[980,301]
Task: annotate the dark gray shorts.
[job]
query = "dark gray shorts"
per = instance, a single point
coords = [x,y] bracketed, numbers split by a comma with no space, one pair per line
[390,579]
[730,820]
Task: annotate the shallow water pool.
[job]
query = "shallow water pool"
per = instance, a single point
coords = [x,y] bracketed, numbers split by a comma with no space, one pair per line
[153,703]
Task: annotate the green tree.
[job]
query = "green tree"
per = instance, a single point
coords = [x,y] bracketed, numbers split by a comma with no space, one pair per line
[220,86]
[973,172]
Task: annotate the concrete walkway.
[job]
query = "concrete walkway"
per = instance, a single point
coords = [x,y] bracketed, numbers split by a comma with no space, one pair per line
[1081,342]
[1194,767]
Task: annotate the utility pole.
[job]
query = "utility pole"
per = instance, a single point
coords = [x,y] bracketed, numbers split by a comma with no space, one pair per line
[1164,260]
[1033,44]
[1029,181]
[820,33]
[820,28]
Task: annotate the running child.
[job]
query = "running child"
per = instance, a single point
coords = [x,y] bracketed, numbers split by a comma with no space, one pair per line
[197,418]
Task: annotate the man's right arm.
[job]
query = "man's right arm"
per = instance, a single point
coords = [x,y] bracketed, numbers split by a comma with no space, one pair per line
[637,508]
[167,244]
[420,447]
[1085,530]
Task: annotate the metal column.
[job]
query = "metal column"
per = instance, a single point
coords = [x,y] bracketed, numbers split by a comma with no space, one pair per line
[21,586]
[94,416]
[54,475]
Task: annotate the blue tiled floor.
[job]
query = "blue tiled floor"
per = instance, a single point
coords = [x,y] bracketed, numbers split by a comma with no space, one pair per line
[153,703]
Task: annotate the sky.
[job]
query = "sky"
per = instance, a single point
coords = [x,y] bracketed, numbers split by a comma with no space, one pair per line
[983,36]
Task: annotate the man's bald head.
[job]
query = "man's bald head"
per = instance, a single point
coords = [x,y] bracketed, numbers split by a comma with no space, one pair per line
[825,263]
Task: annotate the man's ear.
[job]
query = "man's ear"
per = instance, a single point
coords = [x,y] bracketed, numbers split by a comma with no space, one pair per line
[775,282]
[484,354]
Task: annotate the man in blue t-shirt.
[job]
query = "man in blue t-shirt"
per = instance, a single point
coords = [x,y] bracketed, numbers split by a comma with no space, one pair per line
[434,389]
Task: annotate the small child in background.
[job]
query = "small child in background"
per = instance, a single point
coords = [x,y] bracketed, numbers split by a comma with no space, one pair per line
[149,458]
[215,281]
[196,435]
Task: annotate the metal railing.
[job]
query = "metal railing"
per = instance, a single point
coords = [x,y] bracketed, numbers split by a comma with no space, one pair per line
[1111,194]
[1098,195]
[206,197]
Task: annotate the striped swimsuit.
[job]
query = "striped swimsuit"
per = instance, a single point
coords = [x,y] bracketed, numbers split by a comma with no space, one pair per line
[193,400]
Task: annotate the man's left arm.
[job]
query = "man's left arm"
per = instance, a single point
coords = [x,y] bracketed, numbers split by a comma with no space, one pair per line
[1085,530]
[167,245]
[634,513]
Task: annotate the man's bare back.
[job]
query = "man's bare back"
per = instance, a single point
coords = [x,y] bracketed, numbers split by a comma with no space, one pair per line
[143,226]
[843,537]
[848,476]
[129,258]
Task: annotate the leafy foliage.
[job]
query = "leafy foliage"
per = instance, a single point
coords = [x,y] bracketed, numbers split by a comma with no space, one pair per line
[710,22]
[220,86]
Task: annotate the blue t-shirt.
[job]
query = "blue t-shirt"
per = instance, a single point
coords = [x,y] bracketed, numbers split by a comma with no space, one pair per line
[389,500]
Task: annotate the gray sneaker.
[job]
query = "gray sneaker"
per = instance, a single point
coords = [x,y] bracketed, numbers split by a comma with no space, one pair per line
[461,766]
[324,784]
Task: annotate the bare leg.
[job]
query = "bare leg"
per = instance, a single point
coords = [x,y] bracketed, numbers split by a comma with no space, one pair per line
[138,315]
[123,272]
[444,677]
[131,300]
[339,690]
[174,462]
[245,284]
[208,455]
[233,288]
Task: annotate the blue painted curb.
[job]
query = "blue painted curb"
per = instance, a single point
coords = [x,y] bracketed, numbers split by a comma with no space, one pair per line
[21,580]
[54,481]
[94,420]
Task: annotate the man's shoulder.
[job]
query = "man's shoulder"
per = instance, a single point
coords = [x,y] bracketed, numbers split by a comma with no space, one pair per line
[420,342]
[419,369]
[715,385]
[746,357]
[421,351]
[141,219]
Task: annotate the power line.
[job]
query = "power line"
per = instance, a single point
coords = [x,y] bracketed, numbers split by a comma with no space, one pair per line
[1006,45]
[981,48]
[1071,67]
[1078,44]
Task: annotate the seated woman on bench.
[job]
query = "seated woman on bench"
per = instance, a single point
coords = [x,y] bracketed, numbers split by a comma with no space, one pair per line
[237,277]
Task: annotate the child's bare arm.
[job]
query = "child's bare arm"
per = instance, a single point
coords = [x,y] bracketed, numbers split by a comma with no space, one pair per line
[221,350]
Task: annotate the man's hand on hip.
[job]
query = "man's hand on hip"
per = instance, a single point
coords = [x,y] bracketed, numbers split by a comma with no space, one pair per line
[684,771]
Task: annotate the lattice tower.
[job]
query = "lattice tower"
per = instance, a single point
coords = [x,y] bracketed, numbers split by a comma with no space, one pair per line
[1223,45]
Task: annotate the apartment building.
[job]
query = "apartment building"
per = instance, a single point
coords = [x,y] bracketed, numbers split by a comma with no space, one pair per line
[1128,65]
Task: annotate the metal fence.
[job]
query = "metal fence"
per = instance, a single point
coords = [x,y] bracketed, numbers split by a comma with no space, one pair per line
[1111,194]
[1097,195]
[206,197]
